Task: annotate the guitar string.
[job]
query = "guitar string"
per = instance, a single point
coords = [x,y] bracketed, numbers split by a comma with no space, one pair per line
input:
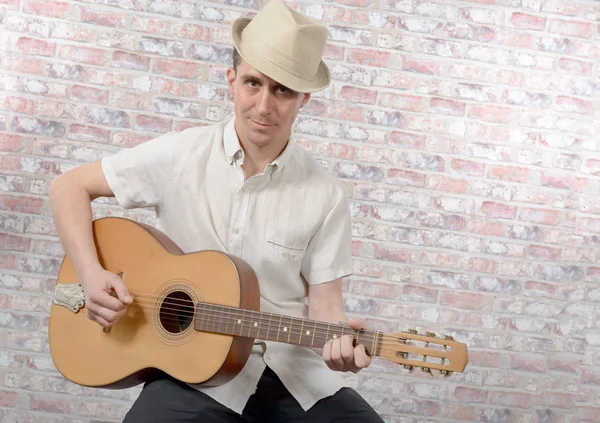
[446,362]
[192,304]
[249,326]
[270,316]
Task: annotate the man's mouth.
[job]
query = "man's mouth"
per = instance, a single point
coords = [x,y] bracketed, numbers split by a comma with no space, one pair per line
[261,124]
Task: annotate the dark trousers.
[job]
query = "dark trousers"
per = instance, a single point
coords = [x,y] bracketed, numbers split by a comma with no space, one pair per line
[167,400]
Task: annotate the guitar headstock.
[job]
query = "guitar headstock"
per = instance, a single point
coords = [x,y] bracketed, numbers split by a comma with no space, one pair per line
[425,351]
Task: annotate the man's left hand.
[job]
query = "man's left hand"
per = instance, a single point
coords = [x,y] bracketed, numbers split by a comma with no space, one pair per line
[339,354]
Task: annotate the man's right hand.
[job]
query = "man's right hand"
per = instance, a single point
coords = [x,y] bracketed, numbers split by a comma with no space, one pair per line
[106,297]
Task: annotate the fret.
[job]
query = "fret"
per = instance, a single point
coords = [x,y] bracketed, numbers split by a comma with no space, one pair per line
[327,335]
[290,329]
[279,331]
[373,346]
[313,337]
[250,324]
[267,336]
[226,319]
[301,330]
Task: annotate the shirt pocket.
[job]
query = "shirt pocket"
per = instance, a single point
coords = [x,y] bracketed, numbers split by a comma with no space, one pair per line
[285,246]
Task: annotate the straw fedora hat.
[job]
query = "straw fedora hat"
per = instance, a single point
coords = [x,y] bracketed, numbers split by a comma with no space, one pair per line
[285,46]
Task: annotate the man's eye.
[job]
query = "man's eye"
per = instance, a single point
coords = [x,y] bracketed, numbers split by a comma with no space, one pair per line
[251,83]
[283,90]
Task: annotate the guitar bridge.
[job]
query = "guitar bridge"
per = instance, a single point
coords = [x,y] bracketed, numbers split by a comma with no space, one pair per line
[70,296]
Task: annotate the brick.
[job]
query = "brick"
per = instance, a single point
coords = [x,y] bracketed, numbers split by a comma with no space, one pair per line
[412,236]
[568,7]
[403,177]
[402,102]
[70,31]
[187,31]
[354,171]
[79,132]
[358,95]
[125,60]
[26,65]
[448,279]
[385,118]
[509,173]
[527,21]
[418,293]
[103,18]
[573,105]
[88,94]
[553,272]
[442,221]
[540,252]
[447,184]
[35,47]
[374,58]
[468,301]
[453,204]
[420,66]
[87,55]
[53,9]
[176,68]
[574,66]
[153,123]
[477,264]
[17,104]
[66,71]
[498,210]
[496,114]
[541,216]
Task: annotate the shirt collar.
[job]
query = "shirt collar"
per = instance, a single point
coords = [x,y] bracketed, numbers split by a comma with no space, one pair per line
[233,149]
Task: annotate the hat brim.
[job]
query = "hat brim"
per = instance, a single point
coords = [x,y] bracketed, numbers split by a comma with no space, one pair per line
[321,80]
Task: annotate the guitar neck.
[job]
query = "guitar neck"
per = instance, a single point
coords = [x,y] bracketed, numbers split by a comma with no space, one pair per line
[276,327]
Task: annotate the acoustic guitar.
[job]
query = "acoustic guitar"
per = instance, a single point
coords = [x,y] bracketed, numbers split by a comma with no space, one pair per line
[195,316]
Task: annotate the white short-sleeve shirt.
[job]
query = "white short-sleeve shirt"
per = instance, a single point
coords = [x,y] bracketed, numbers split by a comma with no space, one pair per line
[291,224]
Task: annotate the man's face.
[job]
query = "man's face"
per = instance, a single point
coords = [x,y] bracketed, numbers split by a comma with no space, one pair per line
[265,110]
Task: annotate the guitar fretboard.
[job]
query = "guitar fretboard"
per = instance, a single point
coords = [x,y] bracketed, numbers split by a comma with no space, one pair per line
[275,327]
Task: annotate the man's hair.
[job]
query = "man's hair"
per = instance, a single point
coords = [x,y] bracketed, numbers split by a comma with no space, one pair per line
[236,59]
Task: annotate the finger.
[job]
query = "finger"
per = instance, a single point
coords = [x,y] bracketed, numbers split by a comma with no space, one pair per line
[347,349]
[107,316]
[361,358]
[122,293]
[336,354]
[327,354]
[104,300]
[356,323]
[98,319]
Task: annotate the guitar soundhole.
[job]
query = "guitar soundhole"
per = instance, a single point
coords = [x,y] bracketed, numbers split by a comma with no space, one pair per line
[176,312]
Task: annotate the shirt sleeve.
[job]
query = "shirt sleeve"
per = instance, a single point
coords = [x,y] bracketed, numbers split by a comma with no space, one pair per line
[139,176]
[329,252]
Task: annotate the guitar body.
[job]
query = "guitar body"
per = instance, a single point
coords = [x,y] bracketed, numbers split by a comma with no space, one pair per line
[152,335]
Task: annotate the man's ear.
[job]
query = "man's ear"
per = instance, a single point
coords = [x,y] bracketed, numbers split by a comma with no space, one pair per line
[305,99]
[231,75]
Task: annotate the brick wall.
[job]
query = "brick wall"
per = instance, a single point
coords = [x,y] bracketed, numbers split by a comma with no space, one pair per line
[468,131]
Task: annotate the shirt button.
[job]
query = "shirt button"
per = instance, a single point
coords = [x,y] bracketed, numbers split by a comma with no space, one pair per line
[236,231]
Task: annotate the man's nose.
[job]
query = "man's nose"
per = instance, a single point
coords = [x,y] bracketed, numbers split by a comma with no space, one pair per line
[265,101]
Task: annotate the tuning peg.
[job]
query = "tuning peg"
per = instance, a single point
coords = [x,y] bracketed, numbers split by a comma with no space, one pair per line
[412,331]
[445,373]
[430,334]
[408,367]
[449,337]
[426,369]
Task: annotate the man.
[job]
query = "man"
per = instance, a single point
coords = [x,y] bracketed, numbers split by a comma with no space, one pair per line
[242,187]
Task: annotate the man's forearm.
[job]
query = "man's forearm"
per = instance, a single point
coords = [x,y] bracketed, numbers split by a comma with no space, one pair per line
[72,212]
